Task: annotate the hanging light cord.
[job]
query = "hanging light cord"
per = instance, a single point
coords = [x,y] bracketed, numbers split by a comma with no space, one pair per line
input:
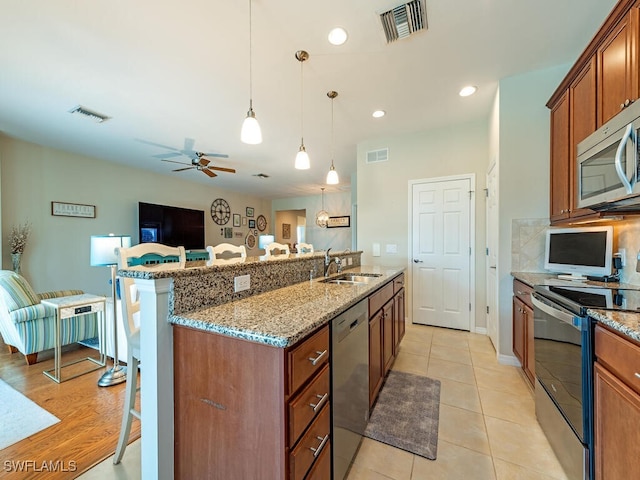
[332,131]
[301,105]
[250,62]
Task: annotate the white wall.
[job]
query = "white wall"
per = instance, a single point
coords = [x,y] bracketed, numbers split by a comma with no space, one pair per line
[337,204]
[57,255]
[382,191]
[524,170]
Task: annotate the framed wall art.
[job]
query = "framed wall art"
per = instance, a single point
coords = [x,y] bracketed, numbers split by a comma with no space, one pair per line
[236,219]
[63,209]
[249,211]
[286,230]
[252,223]
[339,222]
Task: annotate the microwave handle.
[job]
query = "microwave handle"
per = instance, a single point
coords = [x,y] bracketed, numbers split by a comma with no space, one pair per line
[629,134]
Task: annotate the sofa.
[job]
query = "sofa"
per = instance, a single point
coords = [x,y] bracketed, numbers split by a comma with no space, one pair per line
[28,327]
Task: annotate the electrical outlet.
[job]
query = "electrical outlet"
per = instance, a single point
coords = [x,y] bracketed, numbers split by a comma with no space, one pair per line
[622,253]
[241,283]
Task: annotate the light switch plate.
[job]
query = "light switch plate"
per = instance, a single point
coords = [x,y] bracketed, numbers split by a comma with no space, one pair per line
[241,283]
[376,250]
[391,248]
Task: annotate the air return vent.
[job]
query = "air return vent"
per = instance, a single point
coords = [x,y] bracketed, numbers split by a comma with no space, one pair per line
[403,20]
[375,156]
[90,114]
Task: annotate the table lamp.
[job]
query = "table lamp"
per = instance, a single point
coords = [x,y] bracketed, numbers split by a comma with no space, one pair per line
[103,254]
[264,240]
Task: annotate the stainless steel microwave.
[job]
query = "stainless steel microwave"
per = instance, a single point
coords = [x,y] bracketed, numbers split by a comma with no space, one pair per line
[608,164]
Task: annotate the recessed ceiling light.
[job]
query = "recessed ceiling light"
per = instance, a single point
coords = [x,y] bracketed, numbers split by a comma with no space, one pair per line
[337,36]
[468,90]
[379,113]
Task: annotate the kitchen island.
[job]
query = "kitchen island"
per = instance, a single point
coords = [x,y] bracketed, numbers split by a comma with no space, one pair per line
[274,319]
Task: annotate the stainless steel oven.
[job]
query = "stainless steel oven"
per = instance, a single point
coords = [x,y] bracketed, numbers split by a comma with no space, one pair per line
[563,348]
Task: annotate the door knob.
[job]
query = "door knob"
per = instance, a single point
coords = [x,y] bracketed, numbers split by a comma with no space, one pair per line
[415,260]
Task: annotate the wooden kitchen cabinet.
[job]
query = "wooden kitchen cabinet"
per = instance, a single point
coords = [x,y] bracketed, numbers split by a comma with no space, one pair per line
[523,321]
[242,408]
[388,336]
[617,60]
[398,312]
[560,161]
[616,406]
[376,364]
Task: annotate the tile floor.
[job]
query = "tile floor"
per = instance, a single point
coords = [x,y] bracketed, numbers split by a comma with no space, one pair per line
[488,429]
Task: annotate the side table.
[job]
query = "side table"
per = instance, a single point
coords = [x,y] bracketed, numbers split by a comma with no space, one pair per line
[74,306]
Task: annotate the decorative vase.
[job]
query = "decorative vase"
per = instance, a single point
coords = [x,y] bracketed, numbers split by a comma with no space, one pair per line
[16,258]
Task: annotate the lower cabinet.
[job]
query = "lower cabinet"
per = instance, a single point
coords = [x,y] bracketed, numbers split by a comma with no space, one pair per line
[250,410]
[616,385]
[376,366]
[523,328]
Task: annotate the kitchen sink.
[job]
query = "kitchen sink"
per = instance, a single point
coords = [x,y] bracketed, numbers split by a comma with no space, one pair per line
[352,278]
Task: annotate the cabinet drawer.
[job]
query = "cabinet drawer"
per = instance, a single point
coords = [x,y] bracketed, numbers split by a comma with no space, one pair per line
[619,355]
[308,358]
[379,298]
[321,470]
[523,292]
[311,445]
[305,406]
[398,283]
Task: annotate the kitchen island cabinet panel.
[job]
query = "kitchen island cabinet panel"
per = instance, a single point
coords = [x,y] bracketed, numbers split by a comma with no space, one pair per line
[229,408]
[376,365]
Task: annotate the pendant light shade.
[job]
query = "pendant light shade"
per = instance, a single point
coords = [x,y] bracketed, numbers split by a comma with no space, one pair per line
[332,176]
[250,132]
[302,157]
[322,217]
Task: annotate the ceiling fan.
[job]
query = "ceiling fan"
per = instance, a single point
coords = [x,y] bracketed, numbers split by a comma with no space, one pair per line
[197,158]
[201,164]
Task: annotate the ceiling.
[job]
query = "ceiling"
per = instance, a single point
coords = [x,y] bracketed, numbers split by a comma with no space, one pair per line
[171,71]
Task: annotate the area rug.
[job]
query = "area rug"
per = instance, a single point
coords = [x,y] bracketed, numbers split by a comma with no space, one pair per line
[406,414]
[20,417]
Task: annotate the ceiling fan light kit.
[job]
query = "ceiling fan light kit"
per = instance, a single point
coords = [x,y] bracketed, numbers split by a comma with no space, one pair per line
[332,176]
[302,157]
[250,133]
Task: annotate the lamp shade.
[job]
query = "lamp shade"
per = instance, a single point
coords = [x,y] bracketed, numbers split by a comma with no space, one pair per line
[265,240]
[302,159]
[103,248]
[251,133]
[332,176]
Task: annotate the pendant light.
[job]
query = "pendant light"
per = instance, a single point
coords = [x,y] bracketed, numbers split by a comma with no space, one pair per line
[322,217]
[251,132]
[302,158]
[332,176]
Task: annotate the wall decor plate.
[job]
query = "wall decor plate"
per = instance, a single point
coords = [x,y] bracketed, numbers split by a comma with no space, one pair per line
[250,240]
[220,211]
[261,222]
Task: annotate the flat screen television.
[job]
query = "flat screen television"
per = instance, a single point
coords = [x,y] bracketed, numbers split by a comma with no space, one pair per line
[173,226]
[576,252]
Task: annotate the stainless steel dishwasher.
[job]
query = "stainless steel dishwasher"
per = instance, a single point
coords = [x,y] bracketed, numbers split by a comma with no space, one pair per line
[349,384]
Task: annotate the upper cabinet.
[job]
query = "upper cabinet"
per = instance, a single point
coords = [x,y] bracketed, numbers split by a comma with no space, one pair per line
[604,80]
[617,62]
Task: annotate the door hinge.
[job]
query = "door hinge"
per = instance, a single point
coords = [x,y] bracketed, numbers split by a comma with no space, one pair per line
[486,192]
[469,307]
[469,250]
[487,250]
[470,194]
[487,309]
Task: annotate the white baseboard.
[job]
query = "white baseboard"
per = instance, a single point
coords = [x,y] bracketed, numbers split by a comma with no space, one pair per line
[481,330]
[508,360]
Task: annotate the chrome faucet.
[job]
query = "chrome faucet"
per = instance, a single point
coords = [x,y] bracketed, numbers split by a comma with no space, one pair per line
[327,262]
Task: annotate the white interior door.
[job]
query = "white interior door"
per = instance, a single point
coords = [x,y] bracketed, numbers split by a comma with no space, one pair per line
[492,254]
[441,252]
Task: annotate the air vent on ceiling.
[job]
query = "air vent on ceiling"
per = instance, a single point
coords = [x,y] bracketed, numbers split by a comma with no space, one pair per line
[403,20]
[375,156]
[91,114]
[261,175]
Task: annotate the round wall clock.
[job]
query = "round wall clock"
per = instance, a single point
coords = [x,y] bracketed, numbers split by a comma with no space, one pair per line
[250,241]
[220,211]
[261,223]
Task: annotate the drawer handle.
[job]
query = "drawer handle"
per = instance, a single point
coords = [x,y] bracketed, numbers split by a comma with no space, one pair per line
[316,451]
[637,375]
[314,361]
[323,398]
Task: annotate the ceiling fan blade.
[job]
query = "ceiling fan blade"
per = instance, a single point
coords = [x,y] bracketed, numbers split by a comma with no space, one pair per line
[188,144]
[158,145]
[204,162]
[166,155]
[173,161]
[182,169]
[222,169]
[218,155]
[209,172]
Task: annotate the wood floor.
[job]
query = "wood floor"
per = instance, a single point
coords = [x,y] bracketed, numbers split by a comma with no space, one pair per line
[89,417]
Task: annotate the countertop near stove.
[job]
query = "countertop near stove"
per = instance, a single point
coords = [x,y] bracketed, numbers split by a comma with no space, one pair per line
[627,323]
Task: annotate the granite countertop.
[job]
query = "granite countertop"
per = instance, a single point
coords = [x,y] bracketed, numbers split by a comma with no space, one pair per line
[282,317]
[626,323]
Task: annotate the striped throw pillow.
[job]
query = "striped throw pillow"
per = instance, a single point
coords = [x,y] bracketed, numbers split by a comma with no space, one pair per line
[16,292]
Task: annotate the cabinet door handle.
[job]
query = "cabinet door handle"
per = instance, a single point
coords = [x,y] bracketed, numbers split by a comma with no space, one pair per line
[637,375]
[314,361]
[323,398]
[316,451]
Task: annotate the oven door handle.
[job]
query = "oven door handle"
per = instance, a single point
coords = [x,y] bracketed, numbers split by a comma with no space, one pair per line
[539,303]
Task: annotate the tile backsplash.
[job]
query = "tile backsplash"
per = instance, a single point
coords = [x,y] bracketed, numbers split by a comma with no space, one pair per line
[527,244]
[627,236]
